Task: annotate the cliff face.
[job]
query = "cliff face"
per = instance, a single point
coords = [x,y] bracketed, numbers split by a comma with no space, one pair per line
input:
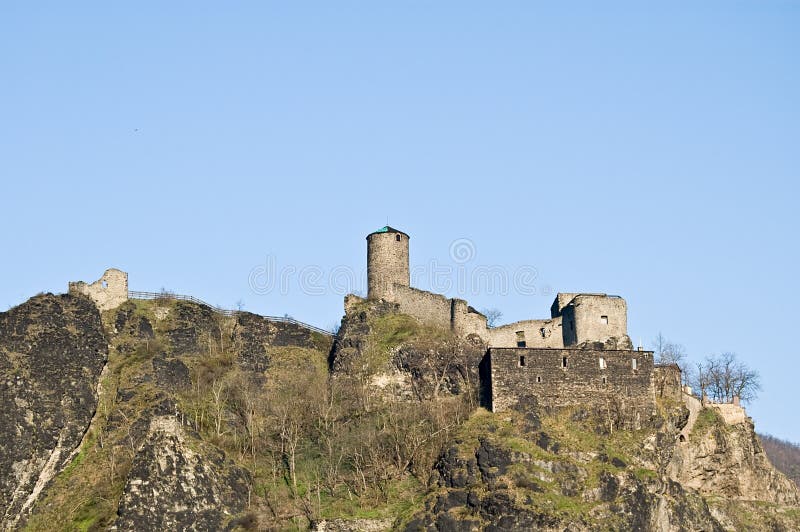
[164,415]
[141,448]
[52,351]
[556,474]
[727,460]
[200,490]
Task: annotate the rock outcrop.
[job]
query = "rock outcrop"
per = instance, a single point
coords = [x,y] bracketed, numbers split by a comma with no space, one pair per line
[727,460]
[150,444]
[173,487]
[52,352]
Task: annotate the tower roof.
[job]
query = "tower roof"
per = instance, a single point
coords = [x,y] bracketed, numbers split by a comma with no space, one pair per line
[388,229]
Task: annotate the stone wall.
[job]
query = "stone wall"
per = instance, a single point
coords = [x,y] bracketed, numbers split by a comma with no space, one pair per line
[593,318]
[535,333]
[465,320]
[108,292]
[558,378]
[429,308]
[732,414]
[589,318]
[387,263]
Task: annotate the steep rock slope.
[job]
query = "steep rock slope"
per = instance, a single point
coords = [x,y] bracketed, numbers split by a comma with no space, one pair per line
[208,422]
[728,460]
[164,449]
[173,487]
[52,351]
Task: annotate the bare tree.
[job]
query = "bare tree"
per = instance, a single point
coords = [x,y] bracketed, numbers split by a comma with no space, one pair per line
[668,352]
[493,316]
[723,377]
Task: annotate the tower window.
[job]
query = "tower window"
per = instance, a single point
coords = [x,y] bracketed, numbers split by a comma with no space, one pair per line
[602,362]
[604,380]
[397,237]
[633,364]
[543,332]
[563,362]
[604,320]
[538,378]
[522,361]
[521,339]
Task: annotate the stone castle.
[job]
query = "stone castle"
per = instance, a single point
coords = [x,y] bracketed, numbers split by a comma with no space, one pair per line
[580,355]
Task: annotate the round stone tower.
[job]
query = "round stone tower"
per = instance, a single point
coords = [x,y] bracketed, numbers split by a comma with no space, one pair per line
[387,262]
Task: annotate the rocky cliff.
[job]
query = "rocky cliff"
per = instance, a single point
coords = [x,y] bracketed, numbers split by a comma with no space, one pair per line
[52,351]
[163,415]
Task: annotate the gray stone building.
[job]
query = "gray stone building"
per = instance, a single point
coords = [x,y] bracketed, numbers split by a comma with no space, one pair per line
[580,356]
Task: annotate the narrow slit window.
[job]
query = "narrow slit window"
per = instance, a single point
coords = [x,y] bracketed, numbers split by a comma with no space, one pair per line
[602,362]
[538,378]
[634,364]
[563,362]
[521,361]
[604,380]
[543,332]
[604,320]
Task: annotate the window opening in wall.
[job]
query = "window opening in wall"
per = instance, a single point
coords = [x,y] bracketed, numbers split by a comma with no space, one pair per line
[397,237]
[543,332]
[521,339]
[563,362]
[602,363]
[538,379]
[104,284]
[604,380]
[521,361]
[633,363]
[604,320]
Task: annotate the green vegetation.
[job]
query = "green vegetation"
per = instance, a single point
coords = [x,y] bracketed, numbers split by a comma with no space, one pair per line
[319,446]
[707,419]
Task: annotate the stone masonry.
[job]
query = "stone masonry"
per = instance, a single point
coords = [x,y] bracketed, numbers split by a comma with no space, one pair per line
[108,292]
[576,318]
[580,356]
[618,381]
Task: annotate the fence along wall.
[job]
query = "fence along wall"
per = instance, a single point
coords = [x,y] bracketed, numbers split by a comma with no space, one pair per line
[224,312]
[618,380]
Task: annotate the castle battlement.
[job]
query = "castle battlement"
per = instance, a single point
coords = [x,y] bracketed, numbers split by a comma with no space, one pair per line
[575,318]
[580,356]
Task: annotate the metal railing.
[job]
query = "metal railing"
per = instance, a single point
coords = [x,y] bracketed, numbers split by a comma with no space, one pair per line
[134,294]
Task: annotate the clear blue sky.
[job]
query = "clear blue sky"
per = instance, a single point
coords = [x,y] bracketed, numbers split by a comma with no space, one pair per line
[650,152]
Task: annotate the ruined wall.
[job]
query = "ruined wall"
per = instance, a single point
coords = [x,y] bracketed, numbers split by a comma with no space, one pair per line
[562,300]
[519,375]
[429,308]
[465,320]
[594,318]
[731,413]
[387,263]
[108,292]
[535,333]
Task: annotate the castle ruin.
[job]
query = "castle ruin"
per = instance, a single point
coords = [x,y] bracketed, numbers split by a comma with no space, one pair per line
[108,292]
[580,355]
